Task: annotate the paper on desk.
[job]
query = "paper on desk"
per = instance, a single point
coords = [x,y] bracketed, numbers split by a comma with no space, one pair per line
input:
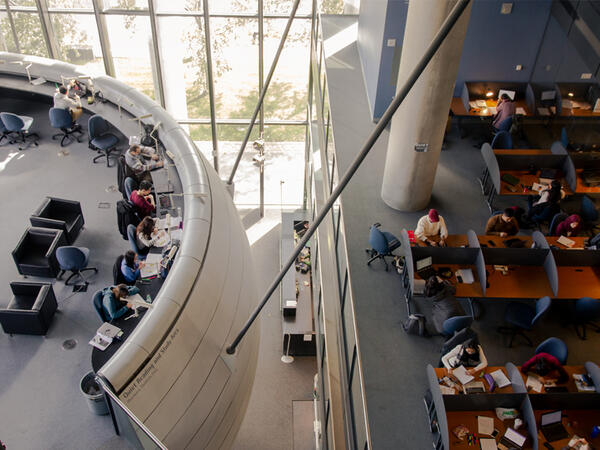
[499,378]
[534,384]
[537,187]
[566,241]
[485,425]
[481,103]
[488,444]
[567,104]
[466,275]
[461,375]
[548,95]
[492,110]
[162,238]
[172,222]
[447,390]
[543,111]
[521,111]
[153,258]
[149,270]
[473,105]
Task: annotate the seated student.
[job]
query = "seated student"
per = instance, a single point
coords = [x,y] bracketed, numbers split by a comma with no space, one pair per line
[503,224]
[443,303]
[469,354]
[544,206]
[114,300]
[504,109]
[135,158]
[63,101]
[547,367]
[143,200]
[130,267]
[146,234]
[432,225]
[569,227]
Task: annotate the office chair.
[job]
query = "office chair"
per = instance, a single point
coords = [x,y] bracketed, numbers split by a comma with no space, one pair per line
[588,209]
[118,277]
[97,299]
[564,138]
[5,133]
[61,118]
[132,237]
[522,317]
[585,312]
[100,139]
[382,244]
[73,259]
[454,324]
[503,140]
[19,125]
[130,186]
[555,347]
[458,338]
[558,218]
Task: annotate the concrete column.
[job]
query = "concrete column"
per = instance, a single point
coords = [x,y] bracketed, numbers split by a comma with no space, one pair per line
[421,119]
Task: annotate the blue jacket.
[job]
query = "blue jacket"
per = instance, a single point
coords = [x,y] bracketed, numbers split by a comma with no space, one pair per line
[130,274]
[112,307]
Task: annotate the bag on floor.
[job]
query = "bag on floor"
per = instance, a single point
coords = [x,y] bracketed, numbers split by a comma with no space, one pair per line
[415,324]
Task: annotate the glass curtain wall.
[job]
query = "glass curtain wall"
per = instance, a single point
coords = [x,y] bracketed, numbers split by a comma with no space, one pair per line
[159,47]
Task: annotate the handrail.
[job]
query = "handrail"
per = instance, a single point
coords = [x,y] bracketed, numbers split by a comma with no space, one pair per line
[263,91]
[381,125]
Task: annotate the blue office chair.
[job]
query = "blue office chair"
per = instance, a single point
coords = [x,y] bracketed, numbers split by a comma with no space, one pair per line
[558,218]
[5,133]
[100,139]
[73,259]
[382,244]
[132,237]
[97,299]
[502,139]
[588,209]
[522,317]
[455,324]
[555,347]
[130,186]
[61,118]
[505,125]
[19,125]
[585,312]
[564,138]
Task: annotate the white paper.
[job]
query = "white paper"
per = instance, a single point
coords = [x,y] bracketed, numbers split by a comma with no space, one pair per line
[499,378]
[447,390]
[521,111]
[488,444]
[473,104]
[153,258]
[149,270]
[534,384]
[492,110]
[100,342]
[108,331]
[567,104]
[511,94]
[466,275]
[172,222]
[548,95]
[481,103]
[307,337]
[485,425]
[566,241]
[162,238]
[543,111]
[461,375]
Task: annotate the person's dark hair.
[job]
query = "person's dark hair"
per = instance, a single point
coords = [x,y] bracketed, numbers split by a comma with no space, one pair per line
[466,358]
[509,212]
[505,97]
[541,367]
[432,286]
[146,227]
[134,147]
[122,291]
[130,258]
[62,90]
[554,193]
[145,185]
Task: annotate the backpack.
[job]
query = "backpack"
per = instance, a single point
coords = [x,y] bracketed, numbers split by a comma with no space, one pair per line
[123,171]
[126,215]
[415,324]
[149,135]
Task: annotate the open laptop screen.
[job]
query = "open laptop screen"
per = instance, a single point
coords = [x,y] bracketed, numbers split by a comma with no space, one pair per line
[515,437]
[511,94]
[551,417]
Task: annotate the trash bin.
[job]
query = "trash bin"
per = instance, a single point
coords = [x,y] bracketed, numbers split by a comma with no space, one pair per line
[94,395]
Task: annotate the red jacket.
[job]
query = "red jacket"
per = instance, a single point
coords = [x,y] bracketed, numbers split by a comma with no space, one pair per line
[143,206]
[551,363]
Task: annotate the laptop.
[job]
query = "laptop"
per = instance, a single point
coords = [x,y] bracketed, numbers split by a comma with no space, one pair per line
[552,427]
[512,439]
[425,268]
[511,94]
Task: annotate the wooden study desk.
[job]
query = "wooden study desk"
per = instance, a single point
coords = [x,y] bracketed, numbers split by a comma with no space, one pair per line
[569,384]
[442,372]
[525,179]
[577,422]
[523,151]
[578,281]
[582,188]
[578,112]
[458,108]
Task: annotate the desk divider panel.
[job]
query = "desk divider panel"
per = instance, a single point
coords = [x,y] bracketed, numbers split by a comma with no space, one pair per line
[446,255]
[558,149]
[489,157]
[464,95]
[515,256]
[565,400]
[529,418]
[514,374]
[594,372]
[539,241]
[530,98]
[479,261]
[481,402]
[569,173]
[579,257]
[523,162]
[438,401]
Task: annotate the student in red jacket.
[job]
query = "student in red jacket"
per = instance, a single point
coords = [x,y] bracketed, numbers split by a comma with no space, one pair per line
[569,227]
[546,366]
[143,200]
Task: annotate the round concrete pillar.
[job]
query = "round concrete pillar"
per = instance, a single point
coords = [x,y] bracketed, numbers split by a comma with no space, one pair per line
[417,128]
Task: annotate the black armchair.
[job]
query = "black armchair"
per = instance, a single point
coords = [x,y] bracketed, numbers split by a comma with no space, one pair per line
[61,214]
[35,254]
[31,309]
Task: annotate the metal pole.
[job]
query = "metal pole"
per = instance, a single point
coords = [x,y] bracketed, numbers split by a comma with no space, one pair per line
[109,65]
[264,90]
[47,29]
[383,122]
[211,86]
[261,63]
[160,95]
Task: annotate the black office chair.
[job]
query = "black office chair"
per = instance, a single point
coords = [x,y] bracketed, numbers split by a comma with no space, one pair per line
[382,244]
[20,126]
[97,300]
[61,118]
[118,277]
[585,312]
[502,140]
[522,317]
[100,139]
[73,259]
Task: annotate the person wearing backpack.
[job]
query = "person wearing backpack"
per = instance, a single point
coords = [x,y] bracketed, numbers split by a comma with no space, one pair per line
[443,303]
